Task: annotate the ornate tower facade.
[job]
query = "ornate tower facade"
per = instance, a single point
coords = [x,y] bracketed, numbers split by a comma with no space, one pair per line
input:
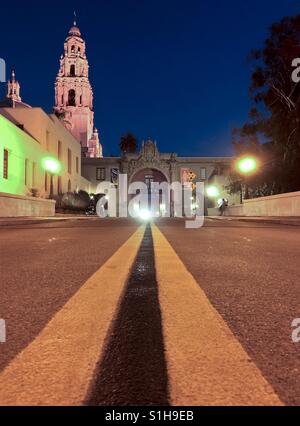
[74,95]
[13,97]
[13,89]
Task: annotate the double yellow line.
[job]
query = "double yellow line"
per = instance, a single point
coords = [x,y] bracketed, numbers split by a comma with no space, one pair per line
[206,364]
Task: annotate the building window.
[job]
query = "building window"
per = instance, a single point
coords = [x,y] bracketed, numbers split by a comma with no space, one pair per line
[47,140]
[59,150]
[77,165]
[5,164]
[26,172]
[114,176]
[33,174]
[72,98]
[73,49]
[72,71]
[69,161]
[203,173]
[100,173]
[69,186]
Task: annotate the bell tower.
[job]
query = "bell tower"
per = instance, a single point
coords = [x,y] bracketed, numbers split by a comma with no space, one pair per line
[74,95]
[13,89]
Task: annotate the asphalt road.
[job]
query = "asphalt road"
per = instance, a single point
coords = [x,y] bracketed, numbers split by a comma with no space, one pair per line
[249,272]
[41,268]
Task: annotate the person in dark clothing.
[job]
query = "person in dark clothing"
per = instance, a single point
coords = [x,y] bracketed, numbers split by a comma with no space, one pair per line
[223,205]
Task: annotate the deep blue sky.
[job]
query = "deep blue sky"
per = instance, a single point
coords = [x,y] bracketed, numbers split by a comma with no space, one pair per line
[172,70]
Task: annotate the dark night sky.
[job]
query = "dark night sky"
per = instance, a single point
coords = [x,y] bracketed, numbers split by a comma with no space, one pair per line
[172,70]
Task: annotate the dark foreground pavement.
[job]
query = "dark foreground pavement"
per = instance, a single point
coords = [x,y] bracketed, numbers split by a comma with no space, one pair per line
[249,271]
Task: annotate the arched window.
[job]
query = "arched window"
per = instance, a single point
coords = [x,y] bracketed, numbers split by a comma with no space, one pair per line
[80,99]
[72,98]
[73,49]
[69,186]
[79,50]
[72,71]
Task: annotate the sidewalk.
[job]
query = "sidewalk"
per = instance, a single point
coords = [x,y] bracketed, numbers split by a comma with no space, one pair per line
[279,220]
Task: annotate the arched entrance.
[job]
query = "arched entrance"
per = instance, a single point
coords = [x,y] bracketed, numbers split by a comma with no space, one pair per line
[149,176]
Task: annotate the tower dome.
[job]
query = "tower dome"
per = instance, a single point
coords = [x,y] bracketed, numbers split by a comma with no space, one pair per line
[75,31]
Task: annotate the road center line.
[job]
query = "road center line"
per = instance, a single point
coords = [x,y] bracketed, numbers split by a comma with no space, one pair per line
[133,369]
[206,363]
[58,366]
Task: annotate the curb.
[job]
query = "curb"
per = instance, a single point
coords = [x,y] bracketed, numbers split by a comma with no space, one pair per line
[28,222]
[262,220]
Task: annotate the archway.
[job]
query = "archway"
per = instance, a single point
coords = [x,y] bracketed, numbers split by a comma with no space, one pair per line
[149,176]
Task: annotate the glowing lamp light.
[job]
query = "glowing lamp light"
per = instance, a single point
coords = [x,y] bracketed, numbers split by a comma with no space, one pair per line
[213,191]
[145,214]
[52,166]
[247,165]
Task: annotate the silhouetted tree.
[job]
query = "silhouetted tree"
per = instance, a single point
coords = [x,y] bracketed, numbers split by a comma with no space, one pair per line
[273,129]
[128,143]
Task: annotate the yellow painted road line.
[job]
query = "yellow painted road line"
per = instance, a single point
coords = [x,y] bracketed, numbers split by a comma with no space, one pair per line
[58,366]
[206,363]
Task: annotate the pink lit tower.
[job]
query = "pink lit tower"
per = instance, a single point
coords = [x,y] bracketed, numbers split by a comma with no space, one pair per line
[74,95]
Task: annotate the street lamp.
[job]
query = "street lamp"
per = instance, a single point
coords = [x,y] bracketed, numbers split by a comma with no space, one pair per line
[213,191]
[53,167]
[247,166]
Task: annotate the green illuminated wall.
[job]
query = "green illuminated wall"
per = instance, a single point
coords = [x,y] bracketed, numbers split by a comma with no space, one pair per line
[43,136]
[20,147]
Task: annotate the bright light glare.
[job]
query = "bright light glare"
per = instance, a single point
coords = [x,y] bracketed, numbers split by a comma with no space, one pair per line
[145,214]
[247,165]
[52,165]
[212,191]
